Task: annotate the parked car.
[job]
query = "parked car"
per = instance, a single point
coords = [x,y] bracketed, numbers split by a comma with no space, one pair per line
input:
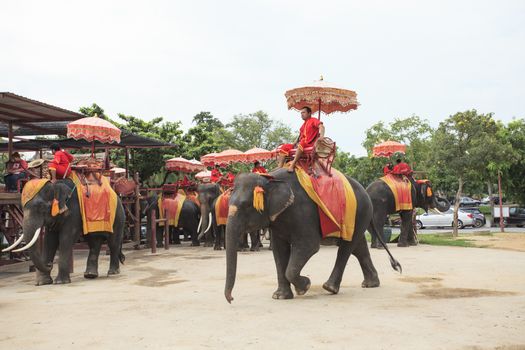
[445,219]
[479,217]
[468,202]
[516,217]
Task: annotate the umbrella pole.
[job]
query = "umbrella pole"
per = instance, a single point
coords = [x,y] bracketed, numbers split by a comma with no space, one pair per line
[93,149]
[319,117]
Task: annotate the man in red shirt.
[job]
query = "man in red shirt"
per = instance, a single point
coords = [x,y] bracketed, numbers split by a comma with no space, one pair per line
[215,174]
[60,166]
[311,130]
[258,168]
[402,168]
[388,168]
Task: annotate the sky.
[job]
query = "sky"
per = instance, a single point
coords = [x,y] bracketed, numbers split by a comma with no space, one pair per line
[176,58]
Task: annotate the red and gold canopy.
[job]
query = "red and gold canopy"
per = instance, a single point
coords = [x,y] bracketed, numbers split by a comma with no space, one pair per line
[184,165]
[229,156]
[388,148]
[258,154]
[93,129]
[208,159]
[321,96]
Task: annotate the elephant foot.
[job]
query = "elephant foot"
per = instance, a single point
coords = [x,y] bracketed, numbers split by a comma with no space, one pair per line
[330,287]
[195,244]
[370,283]
[43,280]
[207,244]
[282,293]
[242,249]
[255,249]
[412,243]
[217,247]
[302,287]
[177,243]
[402,244]
[90,274]
[62,280]
[160,245]
[374,245]
[113,271]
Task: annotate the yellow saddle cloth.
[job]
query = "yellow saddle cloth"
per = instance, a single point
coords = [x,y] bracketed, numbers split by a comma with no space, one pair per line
[173,207]
[401,189]
[335,199]
[31,188]
[98,205]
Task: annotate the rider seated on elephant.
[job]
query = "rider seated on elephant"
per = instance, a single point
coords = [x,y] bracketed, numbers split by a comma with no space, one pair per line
[60,166]
[311,130]
[258,168]
[402,168]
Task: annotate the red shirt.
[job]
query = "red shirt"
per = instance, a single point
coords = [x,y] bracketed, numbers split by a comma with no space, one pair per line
[61,164]
[16,167]
[215,175]
[259,170]
[309,132]
[386,170]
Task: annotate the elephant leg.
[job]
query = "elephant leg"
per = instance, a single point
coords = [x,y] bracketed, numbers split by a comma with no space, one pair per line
[298,258]
[194,235]
[243,242]
[174,232]
[66,239]
[50,248]
[94,242]
[378,221]
[160,236]
[281,255]
[406,228]
[114,249]
[219,237]
[362,254]
[255,241]
[343,254]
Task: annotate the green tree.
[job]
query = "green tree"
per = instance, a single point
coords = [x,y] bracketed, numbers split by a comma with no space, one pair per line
[513,179]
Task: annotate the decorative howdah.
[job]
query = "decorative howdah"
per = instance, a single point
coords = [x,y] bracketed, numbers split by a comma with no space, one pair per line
[184,165]
[93,129]
[388,148]
[322,96]
[258,154]
[229,156]
[208,159]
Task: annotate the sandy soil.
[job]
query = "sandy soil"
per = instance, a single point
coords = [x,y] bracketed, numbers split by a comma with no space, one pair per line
[509,241]
[447,298]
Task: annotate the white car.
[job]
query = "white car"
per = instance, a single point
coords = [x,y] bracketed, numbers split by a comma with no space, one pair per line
[445,219]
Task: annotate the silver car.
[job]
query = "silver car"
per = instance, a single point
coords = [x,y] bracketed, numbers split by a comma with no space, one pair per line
[445,219]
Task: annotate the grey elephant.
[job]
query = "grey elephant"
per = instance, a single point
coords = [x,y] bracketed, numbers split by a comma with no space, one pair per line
[293,219]
[209,230]
[63,231]
[423,196]
[188,220]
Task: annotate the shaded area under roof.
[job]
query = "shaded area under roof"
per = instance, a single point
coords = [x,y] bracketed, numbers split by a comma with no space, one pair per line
[127,140]
[21,110]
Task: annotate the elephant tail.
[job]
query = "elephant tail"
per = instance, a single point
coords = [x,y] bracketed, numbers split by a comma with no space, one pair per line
[121,257]
[393,262]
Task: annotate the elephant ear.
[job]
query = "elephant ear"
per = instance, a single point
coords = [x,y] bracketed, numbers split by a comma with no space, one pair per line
[279,196]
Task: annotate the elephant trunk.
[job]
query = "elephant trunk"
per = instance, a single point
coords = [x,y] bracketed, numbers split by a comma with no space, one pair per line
[232,238]
[442,204]
[32,228]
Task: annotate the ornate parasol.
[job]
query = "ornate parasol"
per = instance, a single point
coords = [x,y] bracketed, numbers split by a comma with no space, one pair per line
[259,154]
[229,156]
[388,148]
[93,129]
[208,159]
[183,165]
[322,97]
[203,175]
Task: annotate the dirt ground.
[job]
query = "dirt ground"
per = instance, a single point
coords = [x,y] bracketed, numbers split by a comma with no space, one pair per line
[509,241]
[446,298]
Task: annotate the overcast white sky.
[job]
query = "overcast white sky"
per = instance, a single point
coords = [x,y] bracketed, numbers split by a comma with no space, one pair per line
[177,58]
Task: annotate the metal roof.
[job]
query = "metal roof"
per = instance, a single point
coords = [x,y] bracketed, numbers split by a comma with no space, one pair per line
[21,110]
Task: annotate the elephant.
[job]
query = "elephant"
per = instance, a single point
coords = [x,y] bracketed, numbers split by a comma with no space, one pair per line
[63,231]
[384,204]
[293,219]
[188,220]
[208,194]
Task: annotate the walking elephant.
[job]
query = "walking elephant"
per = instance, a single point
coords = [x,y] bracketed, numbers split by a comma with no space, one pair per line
[188,220]
[293,219]
[383,200]
[63,231]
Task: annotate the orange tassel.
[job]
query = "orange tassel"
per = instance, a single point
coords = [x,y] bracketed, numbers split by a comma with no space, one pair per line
[429,192]
[55,210]
[258,198]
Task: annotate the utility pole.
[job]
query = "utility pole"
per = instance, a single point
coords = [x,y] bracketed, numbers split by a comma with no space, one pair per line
[501,226]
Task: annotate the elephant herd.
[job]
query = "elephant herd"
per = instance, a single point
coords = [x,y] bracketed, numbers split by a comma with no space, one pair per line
[288,213]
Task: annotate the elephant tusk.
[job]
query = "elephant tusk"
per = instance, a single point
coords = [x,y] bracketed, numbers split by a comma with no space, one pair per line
[200,223]
[13,246]
[209,224]
[30,244]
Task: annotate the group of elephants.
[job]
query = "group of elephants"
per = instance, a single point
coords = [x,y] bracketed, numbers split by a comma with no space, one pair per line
[289,214]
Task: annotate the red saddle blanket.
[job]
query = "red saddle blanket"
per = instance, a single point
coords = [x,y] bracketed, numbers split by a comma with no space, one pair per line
[171,207]
[401,188]
[98,204]
[335,199]
[221,208]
